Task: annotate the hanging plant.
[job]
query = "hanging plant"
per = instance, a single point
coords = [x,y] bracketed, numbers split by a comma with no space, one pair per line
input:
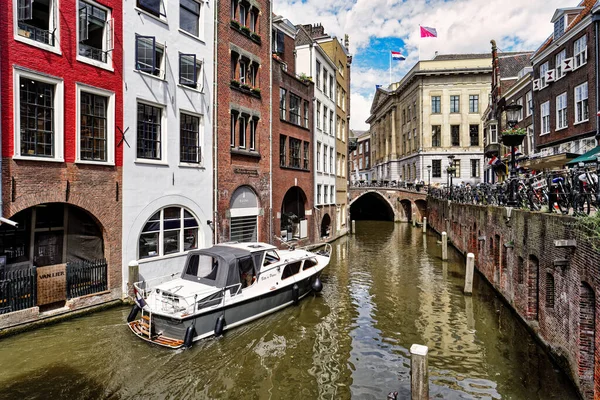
[514,131]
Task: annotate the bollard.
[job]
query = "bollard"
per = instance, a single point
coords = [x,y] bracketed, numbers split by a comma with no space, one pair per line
[419,379]
[134,275]
[353,227]
[444,246]
[424,224]
[414,220]
[469,274]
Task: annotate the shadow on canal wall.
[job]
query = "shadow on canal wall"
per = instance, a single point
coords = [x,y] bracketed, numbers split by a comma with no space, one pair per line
[545,270]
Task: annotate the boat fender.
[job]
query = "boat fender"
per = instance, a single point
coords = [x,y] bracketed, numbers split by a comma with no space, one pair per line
[220,325]
[317,286]
[190,332]
[295,293]
[133,313]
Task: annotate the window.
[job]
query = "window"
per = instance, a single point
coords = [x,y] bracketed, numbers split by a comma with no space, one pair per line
[306,106]
[96,32]
[324,119]
[561,111]
[528,103]
[189,139]
[37,21]
[243,70]
[581,103]
[243,13]
[306,154]
[360,148]
[325,81]
[40,116]
[295,152]
[331,86]
[436,104]
[408,114]
[457,169]
[331,194]
[234,9]
[493,133]
[151,6]
[169,231]
[318,156]
[474,134]
[318,115]
[436,168]
[360,163]
[149,55]
[341,68]
[252,125]
[318,75]
[93,126]
[580,52]
[331,126]
[559,27]
[366,147]
[529,149]
[454,104]
[282,106]
[473,103]
[278,42]
[190,71]
[403,116]
[543,71]
[560,57]
[455,135]
[325,193]
[242,122]
[253,19]
[149,131]
[474,168]
[436,135]
[545,115]
[189,16]
[318,194]
[331,170]
[324,158]
[366,161]
[282,152]
[294,109]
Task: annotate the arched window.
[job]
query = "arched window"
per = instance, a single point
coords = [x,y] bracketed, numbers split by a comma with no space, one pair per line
[170,230]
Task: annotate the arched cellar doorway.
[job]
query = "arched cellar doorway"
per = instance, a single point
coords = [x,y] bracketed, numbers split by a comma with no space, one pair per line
[294,224]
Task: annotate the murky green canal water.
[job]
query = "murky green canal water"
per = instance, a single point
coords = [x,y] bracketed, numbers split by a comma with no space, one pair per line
[385,289]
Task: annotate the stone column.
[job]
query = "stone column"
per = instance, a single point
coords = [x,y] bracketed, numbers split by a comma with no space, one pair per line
[394,152]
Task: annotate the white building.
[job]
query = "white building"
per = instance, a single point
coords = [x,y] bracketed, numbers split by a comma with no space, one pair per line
[167,156]
[312,61]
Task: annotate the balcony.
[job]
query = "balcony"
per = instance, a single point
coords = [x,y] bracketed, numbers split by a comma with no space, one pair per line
[492,149]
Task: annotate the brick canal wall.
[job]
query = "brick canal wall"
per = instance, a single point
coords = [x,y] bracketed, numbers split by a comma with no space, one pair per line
[552,287]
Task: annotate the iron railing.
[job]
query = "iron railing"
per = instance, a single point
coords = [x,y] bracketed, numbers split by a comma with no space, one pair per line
[86,277]
[18,289]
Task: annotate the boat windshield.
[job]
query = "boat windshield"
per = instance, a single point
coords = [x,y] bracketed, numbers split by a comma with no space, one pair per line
[202,268]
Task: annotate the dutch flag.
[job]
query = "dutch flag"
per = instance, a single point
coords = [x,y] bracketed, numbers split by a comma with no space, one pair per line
[396,55]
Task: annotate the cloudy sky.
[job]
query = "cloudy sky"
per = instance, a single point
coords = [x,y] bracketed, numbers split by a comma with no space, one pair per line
[377,26]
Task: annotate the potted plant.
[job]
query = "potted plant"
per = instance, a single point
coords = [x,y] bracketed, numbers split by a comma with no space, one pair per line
[244,86]
[305,78]
[235,83]
[256,91]
[256,37]
[235,24]
[246,30]
[513,136]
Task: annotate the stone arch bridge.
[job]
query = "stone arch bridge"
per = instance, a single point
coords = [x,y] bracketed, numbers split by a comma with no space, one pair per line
[387,204]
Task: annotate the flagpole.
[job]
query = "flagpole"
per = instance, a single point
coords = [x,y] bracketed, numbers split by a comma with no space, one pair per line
[390,68]
[419,38]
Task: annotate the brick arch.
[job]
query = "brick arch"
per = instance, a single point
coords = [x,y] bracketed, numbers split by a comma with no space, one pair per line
[406,206]
[421,207]
[379,195]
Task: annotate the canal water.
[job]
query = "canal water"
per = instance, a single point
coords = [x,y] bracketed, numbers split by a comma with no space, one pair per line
[385,289]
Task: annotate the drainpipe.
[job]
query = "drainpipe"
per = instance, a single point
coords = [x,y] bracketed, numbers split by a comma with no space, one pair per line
[2,219]
[215,224]
[596,20]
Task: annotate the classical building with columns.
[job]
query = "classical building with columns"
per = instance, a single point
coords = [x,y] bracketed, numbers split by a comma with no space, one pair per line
[432,113]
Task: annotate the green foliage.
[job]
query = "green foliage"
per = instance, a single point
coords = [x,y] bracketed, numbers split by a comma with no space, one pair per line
[589,227]
[514,131]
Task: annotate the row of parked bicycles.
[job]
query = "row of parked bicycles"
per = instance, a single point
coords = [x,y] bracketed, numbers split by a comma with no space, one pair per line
[574,191]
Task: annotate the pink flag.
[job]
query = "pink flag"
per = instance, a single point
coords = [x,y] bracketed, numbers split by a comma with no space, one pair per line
[428,32]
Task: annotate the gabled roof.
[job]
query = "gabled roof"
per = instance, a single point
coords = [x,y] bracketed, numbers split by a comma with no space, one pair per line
[381,95]
[587,9]
[303,37]
[511,65]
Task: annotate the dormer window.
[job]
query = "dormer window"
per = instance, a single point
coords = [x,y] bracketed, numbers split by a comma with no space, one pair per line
[559,27]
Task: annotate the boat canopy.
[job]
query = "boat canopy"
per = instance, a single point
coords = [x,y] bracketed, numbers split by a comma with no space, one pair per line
[220,266]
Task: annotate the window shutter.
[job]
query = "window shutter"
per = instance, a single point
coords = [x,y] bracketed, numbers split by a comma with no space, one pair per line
[145,44]
[110,34]
[25,10]
[83,23]
[187,64]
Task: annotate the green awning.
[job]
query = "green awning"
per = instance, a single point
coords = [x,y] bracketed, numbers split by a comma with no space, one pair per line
[586,158]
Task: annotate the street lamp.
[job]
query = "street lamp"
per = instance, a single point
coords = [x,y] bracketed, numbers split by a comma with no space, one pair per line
[450,171]
[428,178]
[512,115]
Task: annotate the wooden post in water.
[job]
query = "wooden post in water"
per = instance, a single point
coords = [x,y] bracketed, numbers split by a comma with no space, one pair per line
[469,274]
[444,246]
[353,227]
[424,224]
[419,377]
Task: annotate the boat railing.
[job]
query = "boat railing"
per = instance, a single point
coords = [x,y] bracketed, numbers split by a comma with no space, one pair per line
[146,285]
[326,251]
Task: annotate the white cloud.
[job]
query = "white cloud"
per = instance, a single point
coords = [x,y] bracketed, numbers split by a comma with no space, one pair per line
[360,107]
[463,26]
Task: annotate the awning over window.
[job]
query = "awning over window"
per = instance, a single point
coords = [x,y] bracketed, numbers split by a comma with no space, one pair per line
[586,158]
[549,162]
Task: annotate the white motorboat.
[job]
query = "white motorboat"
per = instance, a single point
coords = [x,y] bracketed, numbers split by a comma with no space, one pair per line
[223,287]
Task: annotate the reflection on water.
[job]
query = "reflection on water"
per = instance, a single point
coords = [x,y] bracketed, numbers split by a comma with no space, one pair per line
[385,289]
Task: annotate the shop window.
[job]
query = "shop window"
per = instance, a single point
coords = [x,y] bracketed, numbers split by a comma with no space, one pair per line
[170,230]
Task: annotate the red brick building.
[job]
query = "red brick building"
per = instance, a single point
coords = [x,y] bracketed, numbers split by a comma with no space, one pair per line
[565,87]
[359,165]
[293,180]
[61,106]
[242,122]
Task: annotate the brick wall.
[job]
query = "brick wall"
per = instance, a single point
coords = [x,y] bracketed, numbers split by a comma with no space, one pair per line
[563,312]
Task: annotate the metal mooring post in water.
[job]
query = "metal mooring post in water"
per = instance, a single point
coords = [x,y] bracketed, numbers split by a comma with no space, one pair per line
[419,376]
[469,274]
[444,246]
[424,224]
